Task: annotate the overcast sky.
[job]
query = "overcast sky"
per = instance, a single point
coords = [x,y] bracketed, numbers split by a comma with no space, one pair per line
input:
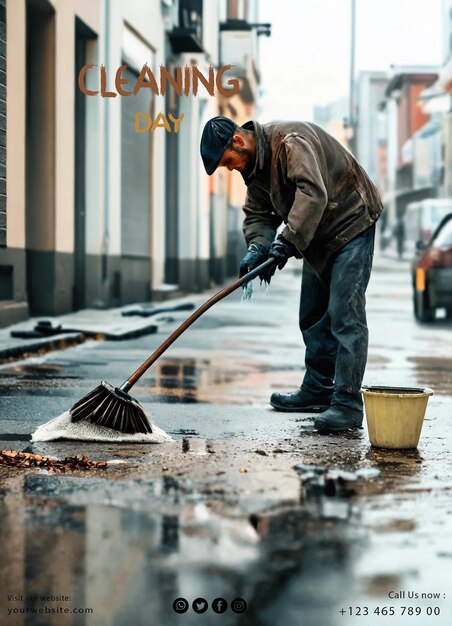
[306,60]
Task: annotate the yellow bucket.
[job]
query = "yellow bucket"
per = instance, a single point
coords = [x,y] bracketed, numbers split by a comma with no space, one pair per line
[395,415]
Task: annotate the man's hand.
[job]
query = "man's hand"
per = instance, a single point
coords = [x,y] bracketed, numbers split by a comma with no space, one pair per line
[257,254]
[281,250]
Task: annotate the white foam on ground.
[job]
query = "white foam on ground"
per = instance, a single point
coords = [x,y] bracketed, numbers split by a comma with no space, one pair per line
[62,427]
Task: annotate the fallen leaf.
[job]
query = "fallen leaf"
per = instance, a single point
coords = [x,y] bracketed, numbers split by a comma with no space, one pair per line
[27,459]
[9,453]
[243,470]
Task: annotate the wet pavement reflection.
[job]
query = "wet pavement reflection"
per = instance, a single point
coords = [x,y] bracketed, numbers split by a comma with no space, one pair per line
[171,380]
[144,543]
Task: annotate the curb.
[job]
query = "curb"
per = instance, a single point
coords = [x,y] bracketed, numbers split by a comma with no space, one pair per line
[40,346]
[133,333]
[65,340]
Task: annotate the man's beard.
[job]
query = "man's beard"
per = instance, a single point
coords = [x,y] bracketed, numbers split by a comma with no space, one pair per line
[249,163]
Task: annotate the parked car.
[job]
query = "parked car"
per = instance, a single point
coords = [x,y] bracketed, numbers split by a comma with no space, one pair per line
[421,219]
[432,273]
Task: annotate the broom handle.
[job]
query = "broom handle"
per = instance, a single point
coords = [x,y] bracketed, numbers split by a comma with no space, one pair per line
[128,384]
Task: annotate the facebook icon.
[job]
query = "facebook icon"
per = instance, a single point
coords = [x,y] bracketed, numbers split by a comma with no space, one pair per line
[219,605]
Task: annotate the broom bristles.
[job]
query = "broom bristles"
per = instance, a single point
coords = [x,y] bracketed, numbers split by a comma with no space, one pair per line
[111,408]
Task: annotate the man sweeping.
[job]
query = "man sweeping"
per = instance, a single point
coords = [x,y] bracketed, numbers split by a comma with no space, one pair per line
[299,175]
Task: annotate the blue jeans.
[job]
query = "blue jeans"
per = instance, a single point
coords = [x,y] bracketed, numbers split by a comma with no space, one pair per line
[333,323]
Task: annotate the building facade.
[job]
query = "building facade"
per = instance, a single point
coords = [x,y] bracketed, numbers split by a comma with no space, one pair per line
[405,119]
[97,214]
[333,118]
[370,129]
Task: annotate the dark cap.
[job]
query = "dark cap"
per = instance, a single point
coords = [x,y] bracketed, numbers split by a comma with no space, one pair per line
[216,135]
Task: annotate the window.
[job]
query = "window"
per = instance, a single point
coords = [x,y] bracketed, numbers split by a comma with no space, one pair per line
[444,237]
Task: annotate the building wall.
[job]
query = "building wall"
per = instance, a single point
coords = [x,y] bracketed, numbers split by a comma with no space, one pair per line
[40,239]
[13,303]
[411,115]
[193,185]
[331,117]
[408,174]
[392,160]
[371,132]
[200,203]
[2,122]
[417,118]
[115,276]
[40,205]
[50,154]
[143,19]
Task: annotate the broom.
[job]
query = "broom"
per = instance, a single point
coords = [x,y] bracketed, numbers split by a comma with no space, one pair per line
[113,407]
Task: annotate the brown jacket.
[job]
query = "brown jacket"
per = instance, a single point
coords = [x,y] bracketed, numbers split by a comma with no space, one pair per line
[306,179]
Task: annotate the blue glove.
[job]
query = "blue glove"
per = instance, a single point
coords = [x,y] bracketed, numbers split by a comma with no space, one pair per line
[257,254]
[281,250]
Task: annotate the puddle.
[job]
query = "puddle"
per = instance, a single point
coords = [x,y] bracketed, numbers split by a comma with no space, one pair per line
[28,378]
[436,370]
[397,469]
[216,380]
[380,585]
[36,371]
[222,380]
[396,526]
[79,537]
[162,539]
[377,361]
[405,460]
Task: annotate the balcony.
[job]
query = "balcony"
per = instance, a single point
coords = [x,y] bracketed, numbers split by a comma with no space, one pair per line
[187,35]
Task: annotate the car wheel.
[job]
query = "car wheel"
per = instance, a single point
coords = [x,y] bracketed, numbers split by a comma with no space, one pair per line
[423,312]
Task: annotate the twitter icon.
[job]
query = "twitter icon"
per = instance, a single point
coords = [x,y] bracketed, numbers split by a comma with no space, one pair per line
[200,605]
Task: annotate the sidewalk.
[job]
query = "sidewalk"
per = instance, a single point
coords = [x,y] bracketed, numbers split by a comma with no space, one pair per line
[78,326]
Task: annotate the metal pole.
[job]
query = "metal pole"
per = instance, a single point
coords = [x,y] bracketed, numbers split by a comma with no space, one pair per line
[106,233]
[352,120]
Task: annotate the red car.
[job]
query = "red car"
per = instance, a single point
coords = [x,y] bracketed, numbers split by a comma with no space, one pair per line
[432,273]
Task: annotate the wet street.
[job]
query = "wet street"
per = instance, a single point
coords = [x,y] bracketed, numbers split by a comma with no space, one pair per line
[246,503]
